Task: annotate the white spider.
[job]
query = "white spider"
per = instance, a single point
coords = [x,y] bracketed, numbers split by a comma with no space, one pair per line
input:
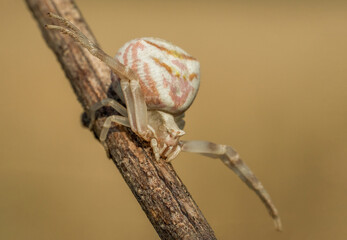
[158,81]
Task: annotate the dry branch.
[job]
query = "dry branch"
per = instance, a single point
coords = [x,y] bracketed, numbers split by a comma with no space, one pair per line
[156,186]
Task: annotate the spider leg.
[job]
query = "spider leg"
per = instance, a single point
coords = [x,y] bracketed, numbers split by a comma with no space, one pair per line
[106,102]
[107,125]
[71,30]
[137,113]
[136,106]
[231,158]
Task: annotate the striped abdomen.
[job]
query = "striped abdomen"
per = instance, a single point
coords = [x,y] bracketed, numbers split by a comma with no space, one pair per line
[169,76]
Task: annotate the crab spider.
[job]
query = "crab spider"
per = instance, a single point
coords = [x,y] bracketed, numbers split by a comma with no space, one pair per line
[158,82]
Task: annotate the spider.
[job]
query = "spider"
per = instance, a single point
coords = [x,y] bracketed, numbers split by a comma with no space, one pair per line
[158,81]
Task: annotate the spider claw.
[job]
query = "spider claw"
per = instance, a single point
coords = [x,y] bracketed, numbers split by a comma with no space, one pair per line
[278,224]
[174,153]
[167,153]
[154,145]
[157,156]
[163,149]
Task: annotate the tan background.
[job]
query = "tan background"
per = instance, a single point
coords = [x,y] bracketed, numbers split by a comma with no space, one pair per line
[273,86]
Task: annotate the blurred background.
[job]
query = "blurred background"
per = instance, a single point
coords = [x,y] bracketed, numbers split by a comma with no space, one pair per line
[273,86]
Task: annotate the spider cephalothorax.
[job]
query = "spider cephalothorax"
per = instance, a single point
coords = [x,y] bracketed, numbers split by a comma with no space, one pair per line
[158,81]
[166,134]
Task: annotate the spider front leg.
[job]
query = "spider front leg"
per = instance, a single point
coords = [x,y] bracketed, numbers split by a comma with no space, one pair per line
[137,109]
[231,158]
[137,113]
[69,29]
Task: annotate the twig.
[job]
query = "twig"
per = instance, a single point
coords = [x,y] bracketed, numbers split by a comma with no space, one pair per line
[156,186]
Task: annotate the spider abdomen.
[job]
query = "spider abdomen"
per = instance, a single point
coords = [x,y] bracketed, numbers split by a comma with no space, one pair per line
[169,77]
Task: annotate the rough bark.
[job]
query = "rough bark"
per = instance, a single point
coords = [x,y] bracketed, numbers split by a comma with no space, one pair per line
[156,186]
